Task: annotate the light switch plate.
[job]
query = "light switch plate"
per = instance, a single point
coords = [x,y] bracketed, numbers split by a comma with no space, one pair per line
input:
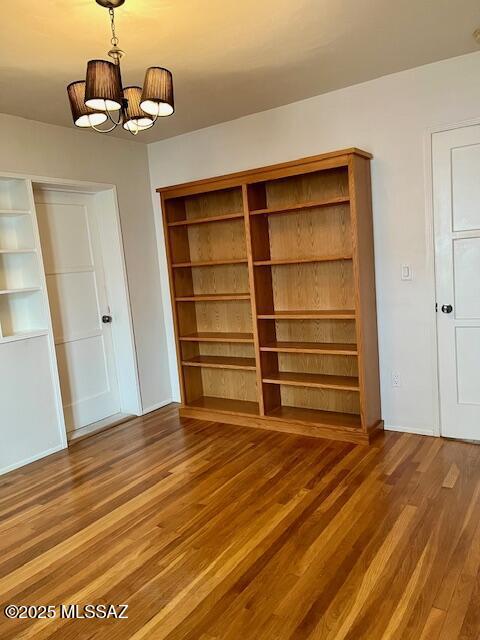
[407,272]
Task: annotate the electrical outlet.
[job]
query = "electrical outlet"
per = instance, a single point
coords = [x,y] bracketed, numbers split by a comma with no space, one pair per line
[396,379]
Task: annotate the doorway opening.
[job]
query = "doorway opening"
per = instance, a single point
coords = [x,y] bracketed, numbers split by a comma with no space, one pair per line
[83,259]
[456,225]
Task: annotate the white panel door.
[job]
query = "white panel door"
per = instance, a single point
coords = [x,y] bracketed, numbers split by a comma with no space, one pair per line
[456,188]
[78,300]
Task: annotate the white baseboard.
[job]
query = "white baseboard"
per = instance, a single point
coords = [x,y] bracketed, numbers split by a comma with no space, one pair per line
[96,427]
[38,456]
[417,432]
[156,406]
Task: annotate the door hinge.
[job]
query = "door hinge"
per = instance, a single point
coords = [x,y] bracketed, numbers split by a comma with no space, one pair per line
[436,307]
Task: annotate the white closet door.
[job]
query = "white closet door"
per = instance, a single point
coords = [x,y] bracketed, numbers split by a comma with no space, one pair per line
[456,182]
[78,300]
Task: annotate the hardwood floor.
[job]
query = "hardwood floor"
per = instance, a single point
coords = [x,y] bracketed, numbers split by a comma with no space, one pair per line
[214,532]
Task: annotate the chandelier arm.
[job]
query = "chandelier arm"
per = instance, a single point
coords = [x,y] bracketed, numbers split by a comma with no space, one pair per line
[103,130]
[115,122]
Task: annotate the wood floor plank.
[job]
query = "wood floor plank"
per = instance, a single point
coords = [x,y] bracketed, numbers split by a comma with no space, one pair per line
[433,625]
[451,477]
[218,532]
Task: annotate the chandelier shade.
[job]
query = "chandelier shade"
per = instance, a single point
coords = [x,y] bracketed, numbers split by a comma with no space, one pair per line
[103,87]
[135,119]
[157,95]
[82,115]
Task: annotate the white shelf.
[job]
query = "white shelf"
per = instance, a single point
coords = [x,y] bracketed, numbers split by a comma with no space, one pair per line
[23,335]
[6,251]
[13,213]
[8,292]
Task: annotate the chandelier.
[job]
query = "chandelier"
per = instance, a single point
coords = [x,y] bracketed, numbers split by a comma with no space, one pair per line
[101,98]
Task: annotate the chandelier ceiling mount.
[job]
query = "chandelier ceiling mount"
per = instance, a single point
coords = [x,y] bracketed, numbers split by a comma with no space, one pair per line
[110,4]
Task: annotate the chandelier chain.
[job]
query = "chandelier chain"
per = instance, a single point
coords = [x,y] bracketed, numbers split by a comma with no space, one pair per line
[114,39]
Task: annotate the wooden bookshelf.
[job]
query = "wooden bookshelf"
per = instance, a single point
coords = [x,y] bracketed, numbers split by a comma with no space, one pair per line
[273,294]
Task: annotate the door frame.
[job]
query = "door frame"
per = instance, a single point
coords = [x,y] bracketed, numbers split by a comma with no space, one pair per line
[430,256]
[111,238]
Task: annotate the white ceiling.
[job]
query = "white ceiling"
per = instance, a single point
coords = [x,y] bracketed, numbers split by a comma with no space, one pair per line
[229,58]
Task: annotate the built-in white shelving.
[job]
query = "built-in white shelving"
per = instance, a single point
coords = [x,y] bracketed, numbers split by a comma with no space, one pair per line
[22,300]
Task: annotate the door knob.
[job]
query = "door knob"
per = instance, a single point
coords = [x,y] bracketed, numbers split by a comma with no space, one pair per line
[106,319]
[447,308]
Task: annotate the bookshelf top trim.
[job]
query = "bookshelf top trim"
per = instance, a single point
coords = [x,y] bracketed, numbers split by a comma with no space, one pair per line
[324,161]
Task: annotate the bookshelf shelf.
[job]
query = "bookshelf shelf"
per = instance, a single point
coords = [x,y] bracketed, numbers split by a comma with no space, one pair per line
[214,297]
[317,417]
[314,380]
[226,405]
[221,362]
[295,208]
[299,314]
[290,261]
[207,220]
[311,347]
[209,263]
[218,336]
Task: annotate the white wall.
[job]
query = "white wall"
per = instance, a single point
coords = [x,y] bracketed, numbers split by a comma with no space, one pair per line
[390,117]
[58,152]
